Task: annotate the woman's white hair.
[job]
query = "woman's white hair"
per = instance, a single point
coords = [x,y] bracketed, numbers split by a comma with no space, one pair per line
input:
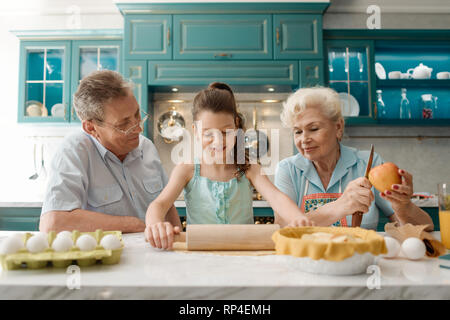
[326,99]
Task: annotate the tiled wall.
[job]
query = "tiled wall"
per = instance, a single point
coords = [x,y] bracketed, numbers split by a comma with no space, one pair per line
[268,118]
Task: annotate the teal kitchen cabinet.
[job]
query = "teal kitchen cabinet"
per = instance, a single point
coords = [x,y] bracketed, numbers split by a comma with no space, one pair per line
[297,36]
[52,63]
[232,72]
[148,37]
[350,71]
[19,219]
[222,37]
[44,81]
[136,71]
[311,73]
[351,57]
[89,56]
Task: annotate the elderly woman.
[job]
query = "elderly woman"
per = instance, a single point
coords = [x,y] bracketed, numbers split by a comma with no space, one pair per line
[326,178]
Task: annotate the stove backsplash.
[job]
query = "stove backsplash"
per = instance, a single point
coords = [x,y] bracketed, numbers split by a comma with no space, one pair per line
[268,117]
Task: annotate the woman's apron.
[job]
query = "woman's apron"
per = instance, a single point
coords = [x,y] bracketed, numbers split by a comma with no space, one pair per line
[316,200]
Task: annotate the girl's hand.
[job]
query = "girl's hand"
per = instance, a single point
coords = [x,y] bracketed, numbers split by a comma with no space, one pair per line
[160,234]
[357,197]
[301,221]
[400,195]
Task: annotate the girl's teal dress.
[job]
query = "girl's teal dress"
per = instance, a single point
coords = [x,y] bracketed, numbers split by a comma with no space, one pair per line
[214,202]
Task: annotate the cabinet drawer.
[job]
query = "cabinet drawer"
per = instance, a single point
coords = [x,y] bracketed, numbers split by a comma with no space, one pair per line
[148,37]
[297,36]
[232,72]
[222,37]
[19,223]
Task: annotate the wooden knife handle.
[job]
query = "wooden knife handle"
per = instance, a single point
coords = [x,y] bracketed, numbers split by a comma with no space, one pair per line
[356,219]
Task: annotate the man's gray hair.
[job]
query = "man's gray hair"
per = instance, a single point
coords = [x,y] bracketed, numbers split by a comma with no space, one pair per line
[96,90]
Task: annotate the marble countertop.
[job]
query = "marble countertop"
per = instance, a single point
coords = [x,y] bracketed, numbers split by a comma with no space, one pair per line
[145,272]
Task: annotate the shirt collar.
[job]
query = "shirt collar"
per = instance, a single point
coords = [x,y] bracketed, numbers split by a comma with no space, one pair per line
[137,152]
[346,160]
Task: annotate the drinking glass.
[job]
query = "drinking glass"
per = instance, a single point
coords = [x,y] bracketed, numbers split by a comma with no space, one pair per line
[444,212]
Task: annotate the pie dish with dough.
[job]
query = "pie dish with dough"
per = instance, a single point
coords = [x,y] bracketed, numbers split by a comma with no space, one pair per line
[329,250]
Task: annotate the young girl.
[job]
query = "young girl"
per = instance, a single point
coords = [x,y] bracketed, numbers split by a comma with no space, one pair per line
[218,190]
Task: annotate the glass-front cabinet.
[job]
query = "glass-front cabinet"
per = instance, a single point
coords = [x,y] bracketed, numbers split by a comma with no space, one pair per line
[348,68]
[44,81]
[89,56]
[50,72]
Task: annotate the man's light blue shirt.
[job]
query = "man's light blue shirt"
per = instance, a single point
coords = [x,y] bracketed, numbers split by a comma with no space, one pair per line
[85,175]
[293,172]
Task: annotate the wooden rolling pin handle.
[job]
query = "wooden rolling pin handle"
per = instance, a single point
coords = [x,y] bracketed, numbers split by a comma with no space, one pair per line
[180,237]
[356,219]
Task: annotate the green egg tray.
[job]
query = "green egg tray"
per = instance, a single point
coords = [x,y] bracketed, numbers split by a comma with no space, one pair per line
[25,259]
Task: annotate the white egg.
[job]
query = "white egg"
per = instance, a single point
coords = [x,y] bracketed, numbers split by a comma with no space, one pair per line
[110,242]
[393,247]
[37,243]
[86,242]
[64,234]
[413,248]
[12,244]
[62,243]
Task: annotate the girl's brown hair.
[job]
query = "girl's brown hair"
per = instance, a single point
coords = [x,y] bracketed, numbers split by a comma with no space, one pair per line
[219,97]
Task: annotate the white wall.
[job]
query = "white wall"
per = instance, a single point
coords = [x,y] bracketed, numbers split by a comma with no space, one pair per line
[16,140]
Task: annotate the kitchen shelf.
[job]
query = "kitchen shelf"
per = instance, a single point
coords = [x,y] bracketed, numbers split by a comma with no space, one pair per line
[414,122]
[405,83]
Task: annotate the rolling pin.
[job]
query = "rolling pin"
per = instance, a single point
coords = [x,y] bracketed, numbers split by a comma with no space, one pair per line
[228,236]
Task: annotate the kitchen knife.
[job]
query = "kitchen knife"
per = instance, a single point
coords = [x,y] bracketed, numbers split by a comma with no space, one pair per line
[357,217]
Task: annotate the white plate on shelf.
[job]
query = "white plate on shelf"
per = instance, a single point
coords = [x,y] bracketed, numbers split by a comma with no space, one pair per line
[379,70]
[35,109]
[349,105]
[58,110]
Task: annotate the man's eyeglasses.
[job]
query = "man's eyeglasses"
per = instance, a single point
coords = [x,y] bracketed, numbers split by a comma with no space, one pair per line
[131,129]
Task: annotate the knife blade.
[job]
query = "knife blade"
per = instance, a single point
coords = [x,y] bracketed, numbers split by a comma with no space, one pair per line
[369,163]
[357,217]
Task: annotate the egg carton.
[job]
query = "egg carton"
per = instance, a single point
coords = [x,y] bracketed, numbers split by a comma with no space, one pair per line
[49,257]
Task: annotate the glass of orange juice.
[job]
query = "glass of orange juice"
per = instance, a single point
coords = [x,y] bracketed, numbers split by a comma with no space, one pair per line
[444,212]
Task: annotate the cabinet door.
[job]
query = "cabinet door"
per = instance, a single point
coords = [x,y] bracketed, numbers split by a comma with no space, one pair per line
[44,81]
[350,72]
[136,71]
[222,37]
[148,37]
[311,73]
[297,36]
[89,56]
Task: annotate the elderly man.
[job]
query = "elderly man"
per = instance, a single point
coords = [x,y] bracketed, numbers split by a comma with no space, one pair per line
[105,176]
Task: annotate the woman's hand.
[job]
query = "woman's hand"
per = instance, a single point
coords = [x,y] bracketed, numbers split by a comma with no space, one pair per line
[400,195]
[160,234]
[357,197]
[301,221]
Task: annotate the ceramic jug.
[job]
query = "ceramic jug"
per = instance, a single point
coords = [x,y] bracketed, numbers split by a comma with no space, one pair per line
[429,107]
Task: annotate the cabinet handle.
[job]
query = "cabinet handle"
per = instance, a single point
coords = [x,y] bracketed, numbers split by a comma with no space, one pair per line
[222,55]
[278,35]
[168,37]
[73,113]
[65,111]
[375,110]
